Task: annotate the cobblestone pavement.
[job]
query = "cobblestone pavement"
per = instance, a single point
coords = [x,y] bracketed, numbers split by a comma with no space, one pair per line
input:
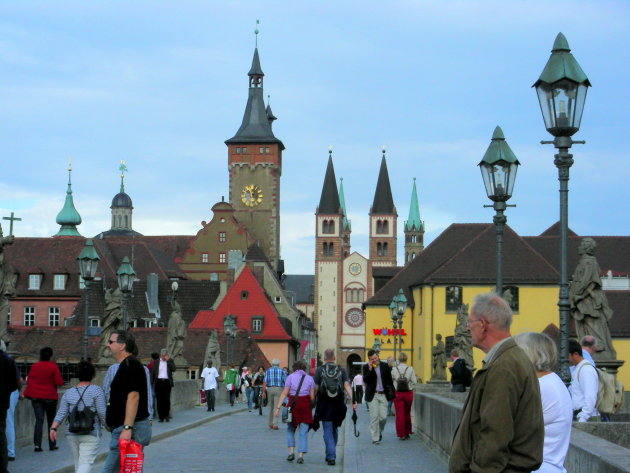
[232,439]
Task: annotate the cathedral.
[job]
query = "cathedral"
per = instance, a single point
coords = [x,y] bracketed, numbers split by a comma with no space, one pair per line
[344,279]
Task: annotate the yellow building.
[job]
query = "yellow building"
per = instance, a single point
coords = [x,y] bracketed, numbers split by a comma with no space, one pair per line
[460,264]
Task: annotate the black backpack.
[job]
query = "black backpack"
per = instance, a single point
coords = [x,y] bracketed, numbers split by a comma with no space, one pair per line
[331,380]
[81,422]
[403,383]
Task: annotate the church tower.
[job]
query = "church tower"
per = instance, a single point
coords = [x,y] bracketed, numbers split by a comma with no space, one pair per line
[255,167]
[414,228]
[68,217]
[346,227]
[329,232]
[383,221]
[122,207]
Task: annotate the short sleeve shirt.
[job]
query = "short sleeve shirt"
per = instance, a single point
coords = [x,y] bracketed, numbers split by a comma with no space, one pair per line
[318,377]
[130,377]
[209,376]
[293,381]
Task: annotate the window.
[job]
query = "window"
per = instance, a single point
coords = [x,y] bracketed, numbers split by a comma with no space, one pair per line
[222,237]
[277,299]
[510,294]
[328,249]
[244,149]
[221,257]
[267,149]
[59,282]
[222,220]
[382,226]
[34,281]
[53,316]
[453,298]
[244,295]
[385,249]
[379,249]
[257,324]
[29,316]
[261,149]
[238,150]
[328,226]
[95,322]
[204,257]
[133,323]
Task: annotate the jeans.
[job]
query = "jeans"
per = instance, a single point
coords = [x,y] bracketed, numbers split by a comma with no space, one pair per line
[141,433]
[378,415]
[302,439]
[249,393]
[232,396]
[210,399]
[10,430]
[330,439]
[257,398]
[41,407]
[458,388]
[4,459]
[402,404]
[84,449]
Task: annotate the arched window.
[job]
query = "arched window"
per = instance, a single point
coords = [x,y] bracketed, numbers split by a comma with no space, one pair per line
[379,249]
[384,249]
[331,226]
[385,226]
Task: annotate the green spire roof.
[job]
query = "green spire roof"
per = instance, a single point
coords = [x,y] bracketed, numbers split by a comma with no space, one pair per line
[562,65]
[342,201]
[68,218]
[414,222]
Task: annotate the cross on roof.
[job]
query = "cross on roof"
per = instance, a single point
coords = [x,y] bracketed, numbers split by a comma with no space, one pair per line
[12,219]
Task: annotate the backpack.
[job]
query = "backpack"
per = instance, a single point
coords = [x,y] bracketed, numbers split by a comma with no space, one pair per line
[403,383]
[81,422]
[609,392]
[466,375]
[331,380]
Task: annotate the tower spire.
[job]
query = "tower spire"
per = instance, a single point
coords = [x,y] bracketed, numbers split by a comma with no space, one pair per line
[68,217]
[414,222]
[122,168]
[383,201]
[414,228]
[329,201]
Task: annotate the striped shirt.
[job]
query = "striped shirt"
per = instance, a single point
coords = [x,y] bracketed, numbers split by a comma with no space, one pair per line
[275,377]
[93,397]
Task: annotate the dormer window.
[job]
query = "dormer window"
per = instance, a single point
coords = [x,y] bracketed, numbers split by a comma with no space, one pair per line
[257,324]
[34,282]
[204,257]
[59,282]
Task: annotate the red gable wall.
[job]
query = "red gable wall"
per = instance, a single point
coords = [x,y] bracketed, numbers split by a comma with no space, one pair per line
[256,304]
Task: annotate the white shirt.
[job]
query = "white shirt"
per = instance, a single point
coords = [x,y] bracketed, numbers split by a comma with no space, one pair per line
[584,384]
[587,356]
[558,416]
[209,376]
[357,381]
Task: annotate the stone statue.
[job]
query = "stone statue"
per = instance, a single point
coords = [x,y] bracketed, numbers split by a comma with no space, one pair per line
[438,352]
[589,306]
[7,285]
[176,331]
[112,319]
[462,340]
[213,350]
[377,345]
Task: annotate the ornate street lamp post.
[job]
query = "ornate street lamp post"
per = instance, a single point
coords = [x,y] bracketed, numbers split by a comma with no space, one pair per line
[561,90]
[88,263]
[393,311]
[397,309]
[126,277]
[498,169]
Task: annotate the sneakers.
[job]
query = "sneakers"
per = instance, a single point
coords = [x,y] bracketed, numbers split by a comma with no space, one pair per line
[300,460]
[291,457]
[330,462]
[376,442]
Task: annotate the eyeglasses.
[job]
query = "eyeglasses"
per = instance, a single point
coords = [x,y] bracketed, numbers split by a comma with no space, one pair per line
[109,342]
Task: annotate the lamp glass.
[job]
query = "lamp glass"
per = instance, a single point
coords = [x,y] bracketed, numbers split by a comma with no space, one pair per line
[562,104]
[88,267]
[498,179]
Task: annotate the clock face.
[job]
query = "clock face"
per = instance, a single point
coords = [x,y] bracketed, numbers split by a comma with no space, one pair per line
[355,269]
[251,195]
[355,318]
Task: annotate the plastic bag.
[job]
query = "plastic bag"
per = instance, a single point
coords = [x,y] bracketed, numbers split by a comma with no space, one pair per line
[131,456]
[202,397]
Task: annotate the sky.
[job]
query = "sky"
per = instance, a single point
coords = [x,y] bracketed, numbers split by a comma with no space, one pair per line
[162,85]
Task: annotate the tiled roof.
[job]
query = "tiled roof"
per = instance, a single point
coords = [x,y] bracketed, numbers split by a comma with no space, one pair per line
[301,286]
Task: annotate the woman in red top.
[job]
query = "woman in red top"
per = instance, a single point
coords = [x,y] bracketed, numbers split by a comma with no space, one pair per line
[41,388]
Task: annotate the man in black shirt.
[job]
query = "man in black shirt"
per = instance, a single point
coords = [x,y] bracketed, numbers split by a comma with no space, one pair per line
[127,414]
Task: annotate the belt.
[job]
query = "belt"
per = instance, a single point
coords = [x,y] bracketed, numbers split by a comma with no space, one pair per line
[380,392]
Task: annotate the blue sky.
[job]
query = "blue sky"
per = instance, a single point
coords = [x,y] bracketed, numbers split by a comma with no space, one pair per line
[161,85]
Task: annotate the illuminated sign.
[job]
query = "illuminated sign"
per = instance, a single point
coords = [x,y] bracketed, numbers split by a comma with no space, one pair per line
[389,331]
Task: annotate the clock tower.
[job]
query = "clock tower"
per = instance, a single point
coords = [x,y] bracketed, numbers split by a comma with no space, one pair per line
[255,167]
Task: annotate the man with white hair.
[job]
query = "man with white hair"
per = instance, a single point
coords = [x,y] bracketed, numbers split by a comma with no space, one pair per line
[275,378]
[501,428]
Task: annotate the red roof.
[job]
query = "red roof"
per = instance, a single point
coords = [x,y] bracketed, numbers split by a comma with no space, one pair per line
[245,299]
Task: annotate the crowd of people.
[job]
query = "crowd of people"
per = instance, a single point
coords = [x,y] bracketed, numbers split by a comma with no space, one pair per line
[517,415]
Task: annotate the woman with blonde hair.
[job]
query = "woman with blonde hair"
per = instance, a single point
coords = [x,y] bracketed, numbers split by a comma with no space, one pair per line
[556,400]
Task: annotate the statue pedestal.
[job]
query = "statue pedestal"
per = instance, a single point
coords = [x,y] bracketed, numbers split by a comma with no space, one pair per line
[181,374]
[611,366]
[439,383]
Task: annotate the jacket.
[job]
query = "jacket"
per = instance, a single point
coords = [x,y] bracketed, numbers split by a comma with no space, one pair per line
[457,371]
[155,371]
[369,381]
[501,429]
[42,381]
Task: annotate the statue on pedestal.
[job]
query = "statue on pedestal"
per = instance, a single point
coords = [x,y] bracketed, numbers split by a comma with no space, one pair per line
[462,340]
[438,352]
[7,285]
[589,306]
[176,331]
[112,319]
[213,350]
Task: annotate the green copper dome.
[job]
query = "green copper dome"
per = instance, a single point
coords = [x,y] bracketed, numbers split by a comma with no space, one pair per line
[68,218]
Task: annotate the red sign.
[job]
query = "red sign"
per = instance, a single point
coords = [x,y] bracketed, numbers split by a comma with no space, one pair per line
[389,331]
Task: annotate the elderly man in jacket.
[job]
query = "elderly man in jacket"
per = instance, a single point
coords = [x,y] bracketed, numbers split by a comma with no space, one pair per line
[501,429]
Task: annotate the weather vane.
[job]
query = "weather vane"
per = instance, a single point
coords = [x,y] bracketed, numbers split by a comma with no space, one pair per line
[256,31]
[123,169]
[69,163]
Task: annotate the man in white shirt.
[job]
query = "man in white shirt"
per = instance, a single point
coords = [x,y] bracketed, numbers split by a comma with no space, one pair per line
[584,384]
[357,386]
[209,376]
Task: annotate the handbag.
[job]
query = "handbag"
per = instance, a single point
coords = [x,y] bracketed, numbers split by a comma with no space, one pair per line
[287,415]
[202,397]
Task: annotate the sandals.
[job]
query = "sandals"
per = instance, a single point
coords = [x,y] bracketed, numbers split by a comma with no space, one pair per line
[291,457]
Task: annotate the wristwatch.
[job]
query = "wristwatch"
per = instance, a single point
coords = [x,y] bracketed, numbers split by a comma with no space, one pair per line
[127,427]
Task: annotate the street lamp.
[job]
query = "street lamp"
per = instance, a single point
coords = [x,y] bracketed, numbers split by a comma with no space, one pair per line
[126,277]
[561,90]
[88,263]
[498,169]
[397,309]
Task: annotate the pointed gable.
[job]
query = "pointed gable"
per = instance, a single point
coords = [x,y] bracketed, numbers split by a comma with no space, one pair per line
[245,299]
